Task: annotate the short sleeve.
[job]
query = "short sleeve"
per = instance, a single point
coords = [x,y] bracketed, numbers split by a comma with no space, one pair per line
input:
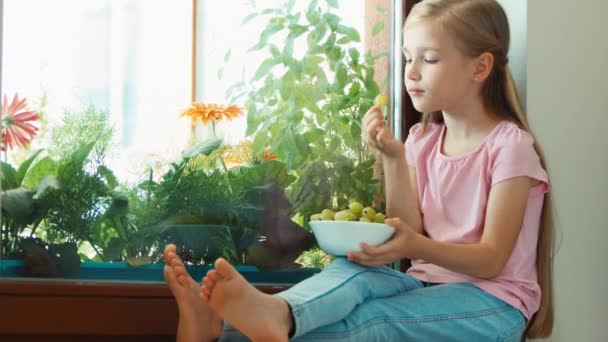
[410,144]
[516,157]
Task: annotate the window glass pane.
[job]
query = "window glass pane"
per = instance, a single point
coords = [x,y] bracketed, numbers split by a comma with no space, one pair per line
[124,160]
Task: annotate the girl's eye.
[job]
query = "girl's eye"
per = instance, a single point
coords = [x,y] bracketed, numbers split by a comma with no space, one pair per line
[427,60]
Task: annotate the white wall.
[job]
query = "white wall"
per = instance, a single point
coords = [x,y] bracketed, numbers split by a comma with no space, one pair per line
[567,101]
[517,13]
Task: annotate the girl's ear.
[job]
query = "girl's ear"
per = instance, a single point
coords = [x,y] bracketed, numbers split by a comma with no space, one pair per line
[483,66]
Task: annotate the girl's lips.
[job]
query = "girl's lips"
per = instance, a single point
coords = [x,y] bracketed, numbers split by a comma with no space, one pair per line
[415,92]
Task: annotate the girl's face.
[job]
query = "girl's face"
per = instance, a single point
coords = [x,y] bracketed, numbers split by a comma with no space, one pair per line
[437,75]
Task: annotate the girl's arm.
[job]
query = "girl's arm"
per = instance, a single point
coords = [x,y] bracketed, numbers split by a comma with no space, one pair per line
[504,218]
[401,190]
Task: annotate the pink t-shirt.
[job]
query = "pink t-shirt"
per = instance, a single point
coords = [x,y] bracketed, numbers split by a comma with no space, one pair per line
[453,193]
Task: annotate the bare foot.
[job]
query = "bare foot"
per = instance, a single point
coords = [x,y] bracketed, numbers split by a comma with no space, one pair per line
[197,322]
[259,316]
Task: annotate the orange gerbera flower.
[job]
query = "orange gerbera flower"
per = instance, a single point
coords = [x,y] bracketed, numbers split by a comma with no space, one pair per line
[267,155]
[200,111]
[16,130]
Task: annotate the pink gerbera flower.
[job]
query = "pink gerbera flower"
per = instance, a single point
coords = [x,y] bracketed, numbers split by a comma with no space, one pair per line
[16,130]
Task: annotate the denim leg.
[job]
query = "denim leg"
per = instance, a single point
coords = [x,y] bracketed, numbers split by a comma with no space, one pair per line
[339,289]
[449,312]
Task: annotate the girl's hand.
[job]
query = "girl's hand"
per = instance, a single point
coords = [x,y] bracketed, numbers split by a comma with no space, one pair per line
[399,247]
[376,134]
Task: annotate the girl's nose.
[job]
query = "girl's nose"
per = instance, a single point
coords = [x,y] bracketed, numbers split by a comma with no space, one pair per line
[411,72]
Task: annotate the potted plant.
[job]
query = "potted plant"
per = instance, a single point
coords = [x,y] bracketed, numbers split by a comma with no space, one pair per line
[308,108]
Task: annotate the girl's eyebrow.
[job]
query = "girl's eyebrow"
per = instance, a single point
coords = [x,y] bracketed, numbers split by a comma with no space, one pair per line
[421,49]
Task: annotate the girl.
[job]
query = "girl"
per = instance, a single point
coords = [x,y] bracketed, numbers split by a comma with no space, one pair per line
[466,195]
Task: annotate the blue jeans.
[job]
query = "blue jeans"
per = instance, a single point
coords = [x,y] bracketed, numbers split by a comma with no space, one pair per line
[349,302]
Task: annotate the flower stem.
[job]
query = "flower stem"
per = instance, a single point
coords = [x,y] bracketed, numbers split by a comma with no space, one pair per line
[226,175]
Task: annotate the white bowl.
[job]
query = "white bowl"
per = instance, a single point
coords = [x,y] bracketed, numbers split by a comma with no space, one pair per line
[339,237]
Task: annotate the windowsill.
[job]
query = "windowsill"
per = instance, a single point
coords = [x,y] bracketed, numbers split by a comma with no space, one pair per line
[40,309]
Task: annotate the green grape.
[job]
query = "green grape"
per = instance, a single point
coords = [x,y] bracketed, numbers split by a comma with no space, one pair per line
[369,212]
[344,215]
[315,217]
[379,218]
[356,208]
[327,215]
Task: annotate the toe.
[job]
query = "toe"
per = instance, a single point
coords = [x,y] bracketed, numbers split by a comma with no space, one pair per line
[170,252]
[176,262]
[212,274]
[224,269]
[182,279]
[169,275]
[208,282]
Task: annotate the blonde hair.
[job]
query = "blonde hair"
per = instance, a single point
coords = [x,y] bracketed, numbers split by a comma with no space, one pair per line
[480,26]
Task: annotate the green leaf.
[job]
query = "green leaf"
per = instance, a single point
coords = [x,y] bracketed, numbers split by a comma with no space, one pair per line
[9,176]
[333,3]
[343,40]
[354,89]
[314,37]
[297,30]
[289,6]
[248,18]
[264,68]
[322,82]
[227,55]
[378,27]
[311,64]
[350,32]
[312,14]
[335,54]
[287,87]
[82,154]
[303,146]
[288,50]
[18,204]
[25,166]
[332,20]
[354,55]
[274,50]
[314,135]
[272,28]
[43,168]
[108,175]
[382,10]
[204,148]
[341,76]
[330,42]
[260,143]
[268,11]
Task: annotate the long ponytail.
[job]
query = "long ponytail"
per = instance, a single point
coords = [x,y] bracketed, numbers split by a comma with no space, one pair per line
[541,324]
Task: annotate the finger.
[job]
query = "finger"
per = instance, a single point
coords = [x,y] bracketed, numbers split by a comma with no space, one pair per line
[372,124]
[372,129]
[372,113]
[384,136]
[384,251]
[372,110]
[365,260]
